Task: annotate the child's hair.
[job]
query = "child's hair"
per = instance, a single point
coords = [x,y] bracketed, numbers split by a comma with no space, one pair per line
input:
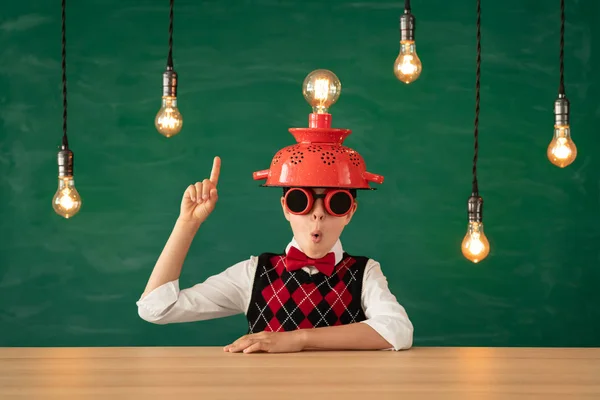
[352,192]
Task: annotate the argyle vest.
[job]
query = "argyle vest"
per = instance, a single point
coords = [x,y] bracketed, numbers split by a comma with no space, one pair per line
[284,301]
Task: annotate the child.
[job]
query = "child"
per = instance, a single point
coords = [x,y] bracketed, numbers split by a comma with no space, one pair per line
[370,319]
[315,295]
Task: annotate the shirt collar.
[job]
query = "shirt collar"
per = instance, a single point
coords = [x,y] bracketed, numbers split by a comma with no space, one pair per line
[336,249]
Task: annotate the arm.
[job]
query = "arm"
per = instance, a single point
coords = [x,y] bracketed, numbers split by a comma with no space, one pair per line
[168,266]
[343,337]
[218,296]
[384,314]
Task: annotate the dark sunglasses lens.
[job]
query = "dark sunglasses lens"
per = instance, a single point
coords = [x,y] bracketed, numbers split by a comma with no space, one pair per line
[296,201]
[340,203]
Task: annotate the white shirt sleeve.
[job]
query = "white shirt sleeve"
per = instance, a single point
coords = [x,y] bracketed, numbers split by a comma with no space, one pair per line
[384,314]
[222,295]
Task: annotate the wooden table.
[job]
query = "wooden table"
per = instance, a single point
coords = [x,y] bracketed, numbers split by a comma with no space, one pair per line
[208,373]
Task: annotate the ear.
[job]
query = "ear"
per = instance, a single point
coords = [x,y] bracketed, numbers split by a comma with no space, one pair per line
[286,213]
[351,213]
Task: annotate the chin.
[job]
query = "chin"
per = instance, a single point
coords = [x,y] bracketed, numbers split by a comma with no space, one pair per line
[315,250]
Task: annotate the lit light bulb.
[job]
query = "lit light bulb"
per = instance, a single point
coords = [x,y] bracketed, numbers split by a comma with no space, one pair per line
[321,89]
[562,150]
[475,246]
[66,201]
[407,67]
[168,120]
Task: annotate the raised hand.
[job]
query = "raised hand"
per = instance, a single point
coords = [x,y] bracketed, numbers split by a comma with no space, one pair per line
[199,200]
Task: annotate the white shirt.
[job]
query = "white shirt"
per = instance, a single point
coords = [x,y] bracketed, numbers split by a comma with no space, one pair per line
[229,292]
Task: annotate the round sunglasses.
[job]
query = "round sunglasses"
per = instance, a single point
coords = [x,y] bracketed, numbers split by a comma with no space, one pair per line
[338,202]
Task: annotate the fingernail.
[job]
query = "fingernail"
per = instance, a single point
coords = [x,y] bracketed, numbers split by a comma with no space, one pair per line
[205,196]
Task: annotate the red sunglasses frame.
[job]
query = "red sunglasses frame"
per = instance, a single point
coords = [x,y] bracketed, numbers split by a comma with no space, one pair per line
[311,196]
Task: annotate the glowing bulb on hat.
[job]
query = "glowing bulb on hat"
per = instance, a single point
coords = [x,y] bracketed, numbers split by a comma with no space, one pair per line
[321,89]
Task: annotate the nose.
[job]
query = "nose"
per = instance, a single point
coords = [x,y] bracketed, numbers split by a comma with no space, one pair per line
[318,210]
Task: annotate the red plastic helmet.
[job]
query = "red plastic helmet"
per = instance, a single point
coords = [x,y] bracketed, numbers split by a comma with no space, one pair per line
[318,159]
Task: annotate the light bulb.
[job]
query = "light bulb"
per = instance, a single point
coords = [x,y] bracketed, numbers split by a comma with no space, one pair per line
[168,120]
[475,246]
[321,89]
[407,67]
[66,201]
[562,150]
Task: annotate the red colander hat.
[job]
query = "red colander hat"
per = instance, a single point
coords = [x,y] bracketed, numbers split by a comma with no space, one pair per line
[319,158]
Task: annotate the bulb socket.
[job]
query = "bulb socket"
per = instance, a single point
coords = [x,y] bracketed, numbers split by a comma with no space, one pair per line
[407,26]
[561,110]
[65,162]
[319,120]
[475,208]
[170,82]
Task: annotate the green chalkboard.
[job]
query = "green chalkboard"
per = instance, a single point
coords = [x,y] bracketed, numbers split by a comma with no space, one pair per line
[241,65]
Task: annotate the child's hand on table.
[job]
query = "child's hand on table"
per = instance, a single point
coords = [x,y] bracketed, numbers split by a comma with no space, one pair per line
[269,342]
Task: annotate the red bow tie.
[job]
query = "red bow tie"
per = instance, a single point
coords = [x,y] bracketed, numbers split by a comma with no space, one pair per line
[296,259]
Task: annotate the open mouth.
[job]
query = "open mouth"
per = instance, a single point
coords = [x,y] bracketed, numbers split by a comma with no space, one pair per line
[316,236]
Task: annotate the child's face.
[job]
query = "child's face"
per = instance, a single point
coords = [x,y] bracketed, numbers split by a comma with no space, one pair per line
[317,231]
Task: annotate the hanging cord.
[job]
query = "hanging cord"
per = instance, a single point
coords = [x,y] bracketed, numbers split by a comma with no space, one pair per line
[407,5]
[561,87]
[477,88]
[65,141]
[170,58]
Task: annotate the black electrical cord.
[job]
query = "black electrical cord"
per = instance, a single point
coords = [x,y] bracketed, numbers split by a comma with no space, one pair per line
[170,57]
[477,100]
[65,141]
[561,87]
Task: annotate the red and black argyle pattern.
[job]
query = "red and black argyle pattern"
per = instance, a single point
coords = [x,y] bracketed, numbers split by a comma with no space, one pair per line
[285,301]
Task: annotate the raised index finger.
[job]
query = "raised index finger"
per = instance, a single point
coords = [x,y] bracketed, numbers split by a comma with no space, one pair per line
[216,170]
